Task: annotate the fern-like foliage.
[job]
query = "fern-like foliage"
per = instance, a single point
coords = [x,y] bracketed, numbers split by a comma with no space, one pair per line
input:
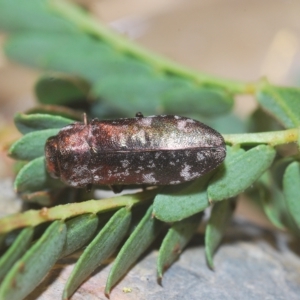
[91,69]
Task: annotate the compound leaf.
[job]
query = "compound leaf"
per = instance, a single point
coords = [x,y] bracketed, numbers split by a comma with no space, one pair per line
[281,102]
[31,145]
[220,216]
[34,177]
[175,203]
[36,122]
[139,240]
[80,230]
[15,251]
[239,171]
[291,183]
[28,271]
[175,240]
[101,248]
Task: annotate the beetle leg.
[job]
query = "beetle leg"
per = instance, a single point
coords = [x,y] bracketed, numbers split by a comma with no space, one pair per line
[89,187]
[139,115]
[116,188]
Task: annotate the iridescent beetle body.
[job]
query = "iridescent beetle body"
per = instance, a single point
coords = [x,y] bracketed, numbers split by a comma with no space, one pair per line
[156,150]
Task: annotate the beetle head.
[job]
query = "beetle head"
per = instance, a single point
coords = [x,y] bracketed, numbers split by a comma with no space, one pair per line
[51,152]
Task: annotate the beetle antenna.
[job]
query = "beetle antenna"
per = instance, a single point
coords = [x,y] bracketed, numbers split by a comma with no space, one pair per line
[85,119]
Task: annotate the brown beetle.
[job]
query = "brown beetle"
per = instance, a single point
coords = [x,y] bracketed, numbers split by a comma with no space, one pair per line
[156,150]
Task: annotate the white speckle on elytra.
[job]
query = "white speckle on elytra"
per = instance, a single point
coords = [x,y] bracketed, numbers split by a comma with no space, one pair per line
[190,121]
[122,174]
[96,177]
[125,163]
[187,175]
[177,117]
[181,124]
[172,163]
[185,172]
[175,182]
[200,156]
[66,128]
[140,137]
[151,165]
[157,154]
[148,178]
[122,140]
[145,121]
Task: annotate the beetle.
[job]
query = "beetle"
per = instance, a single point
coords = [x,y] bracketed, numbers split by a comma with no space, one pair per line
[153,150]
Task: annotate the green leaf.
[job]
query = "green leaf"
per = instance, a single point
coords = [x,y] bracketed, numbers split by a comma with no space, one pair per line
[31,145]
[80,230]
[261,121]
[34,177]
[239,171]
[298,141]
[56,110]
[269,203]
[72,57]
[220,216]
[281,102]
[278,169]
[274,204]
[185,97]
[229,123]
[35,122]
[140,239]
[163,94]
[176,239]
[132,91]
[101,248]
[105,68]
[15,251]
[174,203]
[18,15]
[59,89]
[291,183]
[29,270]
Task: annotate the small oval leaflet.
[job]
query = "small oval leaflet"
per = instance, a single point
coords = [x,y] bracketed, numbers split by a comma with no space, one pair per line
[154,150]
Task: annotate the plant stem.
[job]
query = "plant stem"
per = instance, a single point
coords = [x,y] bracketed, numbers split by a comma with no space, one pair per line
[272,138]
[62,212]
[88,24]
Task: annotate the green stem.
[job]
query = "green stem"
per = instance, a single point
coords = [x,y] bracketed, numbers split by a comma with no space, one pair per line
[62,212]
[88,24]
[272,138]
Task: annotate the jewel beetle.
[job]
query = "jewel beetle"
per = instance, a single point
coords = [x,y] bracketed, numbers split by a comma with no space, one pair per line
[153,150]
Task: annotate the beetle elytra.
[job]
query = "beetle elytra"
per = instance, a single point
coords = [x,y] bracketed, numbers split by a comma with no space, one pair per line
[154,150]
